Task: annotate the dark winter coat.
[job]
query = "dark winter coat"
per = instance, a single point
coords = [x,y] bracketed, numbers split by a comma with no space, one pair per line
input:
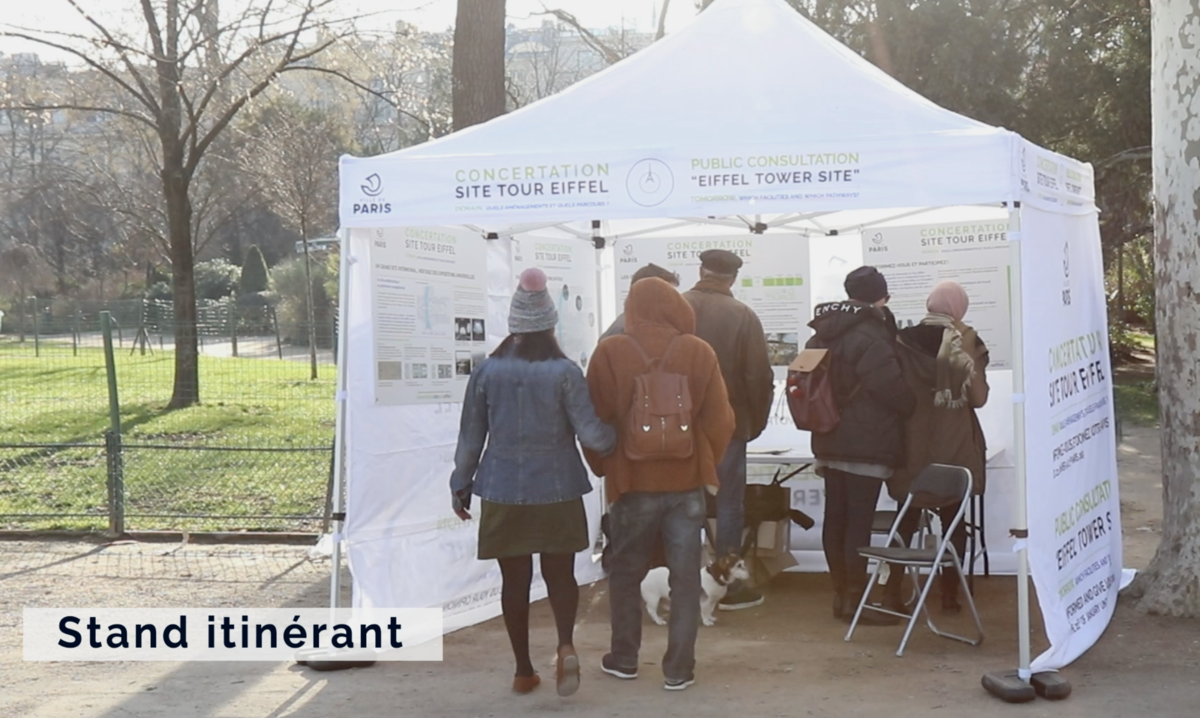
[735,333]
[874,400]
[940,435]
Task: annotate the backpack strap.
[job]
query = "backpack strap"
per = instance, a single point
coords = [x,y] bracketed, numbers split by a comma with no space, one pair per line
[646,358]
[663,359]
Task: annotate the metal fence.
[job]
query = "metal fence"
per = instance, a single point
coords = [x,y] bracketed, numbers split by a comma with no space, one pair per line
[253,455]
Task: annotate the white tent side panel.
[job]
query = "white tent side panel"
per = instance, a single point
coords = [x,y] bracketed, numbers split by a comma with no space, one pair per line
[406,550]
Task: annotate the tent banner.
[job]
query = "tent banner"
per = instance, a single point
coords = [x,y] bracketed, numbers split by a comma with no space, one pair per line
[677,181]
[1070,434]
[1054,182]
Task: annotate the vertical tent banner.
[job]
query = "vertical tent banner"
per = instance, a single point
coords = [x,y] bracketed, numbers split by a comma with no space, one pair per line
[1073,506]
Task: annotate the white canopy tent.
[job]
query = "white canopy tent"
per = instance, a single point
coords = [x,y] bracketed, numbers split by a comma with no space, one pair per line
[750,118]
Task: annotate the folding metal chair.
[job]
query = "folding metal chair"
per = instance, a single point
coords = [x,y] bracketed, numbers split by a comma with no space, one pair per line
[936,486]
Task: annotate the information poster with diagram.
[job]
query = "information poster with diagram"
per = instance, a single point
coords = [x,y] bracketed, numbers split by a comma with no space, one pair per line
[428,289]
[570,267]
[773,280]
[975,254]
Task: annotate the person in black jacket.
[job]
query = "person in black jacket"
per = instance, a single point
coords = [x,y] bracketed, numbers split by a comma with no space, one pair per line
[868,443]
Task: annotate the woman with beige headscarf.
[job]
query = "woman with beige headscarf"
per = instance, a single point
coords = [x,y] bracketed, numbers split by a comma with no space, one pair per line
[944,363]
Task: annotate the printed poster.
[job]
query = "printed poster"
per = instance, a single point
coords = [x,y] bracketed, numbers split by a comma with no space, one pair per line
[428,291]
[975,254]
[570,267]
[773,280]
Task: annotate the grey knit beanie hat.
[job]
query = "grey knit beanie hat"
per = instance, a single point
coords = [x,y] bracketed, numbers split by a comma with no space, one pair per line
[532,309]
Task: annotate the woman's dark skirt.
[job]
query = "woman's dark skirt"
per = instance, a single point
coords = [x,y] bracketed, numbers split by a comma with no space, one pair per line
[509,530]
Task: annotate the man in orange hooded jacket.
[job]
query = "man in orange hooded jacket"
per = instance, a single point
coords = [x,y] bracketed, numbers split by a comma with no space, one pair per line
[663,498]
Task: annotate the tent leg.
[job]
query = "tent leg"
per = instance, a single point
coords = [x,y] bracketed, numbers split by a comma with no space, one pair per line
[339,444]
[1014,686]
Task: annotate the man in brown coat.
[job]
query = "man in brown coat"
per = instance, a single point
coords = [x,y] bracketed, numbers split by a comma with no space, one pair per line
[663,498]
[734,331]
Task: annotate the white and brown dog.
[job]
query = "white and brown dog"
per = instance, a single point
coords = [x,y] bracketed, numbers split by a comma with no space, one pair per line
[714,581]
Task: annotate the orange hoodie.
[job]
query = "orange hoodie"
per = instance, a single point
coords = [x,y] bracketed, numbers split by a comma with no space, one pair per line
[655,313]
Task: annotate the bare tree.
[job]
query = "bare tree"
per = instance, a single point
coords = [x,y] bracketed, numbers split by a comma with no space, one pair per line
[296,163]
[1171,584]
[478,66]
[185,70]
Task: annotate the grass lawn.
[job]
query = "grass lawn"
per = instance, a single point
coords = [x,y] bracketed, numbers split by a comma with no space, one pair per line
[1134,391]
[179,466]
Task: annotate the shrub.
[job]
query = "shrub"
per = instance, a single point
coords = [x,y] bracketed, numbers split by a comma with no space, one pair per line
[292,313]
[254,277]
[215,279]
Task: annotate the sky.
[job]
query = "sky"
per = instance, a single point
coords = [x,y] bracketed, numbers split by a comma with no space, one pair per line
[426,14]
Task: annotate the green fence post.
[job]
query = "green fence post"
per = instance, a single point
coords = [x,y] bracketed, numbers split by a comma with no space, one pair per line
[112,437]
[233,321]
[278,340]
[37,344]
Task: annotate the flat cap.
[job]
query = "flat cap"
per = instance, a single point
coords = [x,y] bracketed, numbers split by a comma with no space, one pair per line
[721,261]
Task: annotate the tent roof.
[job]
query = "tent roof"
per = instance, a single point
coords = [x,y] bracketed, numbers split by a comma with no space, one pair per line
[751,71]
[750,109]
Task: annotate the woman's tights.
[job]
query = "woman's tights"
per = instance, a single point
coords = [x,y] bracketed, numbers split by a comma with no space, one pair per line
[558,569]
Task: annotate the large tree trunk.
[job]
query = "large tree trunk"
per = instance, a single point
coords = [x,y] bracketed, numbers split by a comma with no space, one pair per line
[176,182]
[478,65]
[1171,584]
[179,217]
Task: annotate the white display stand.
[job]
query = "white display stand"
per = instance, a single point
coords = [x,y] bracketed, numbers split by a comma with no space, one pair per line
[654,149]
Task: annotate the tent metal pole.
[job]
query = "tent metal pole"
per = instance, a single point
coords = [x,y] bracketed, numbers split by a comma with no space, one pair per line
[1021,530]
[339,444]
[651,230]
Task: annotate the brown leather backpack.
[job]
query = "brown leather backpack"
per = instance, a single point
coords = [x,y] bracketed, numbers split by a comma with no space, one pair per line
[659,421]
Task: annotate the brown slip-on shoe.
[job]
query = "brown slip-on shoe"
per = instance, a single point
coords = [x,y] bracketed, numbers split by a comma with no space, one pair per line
[525,684]
[566,674]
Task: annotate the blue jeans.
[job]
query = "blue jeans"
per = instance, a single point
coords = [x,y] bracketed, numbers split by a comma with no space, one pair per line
[731,498]
[638,519]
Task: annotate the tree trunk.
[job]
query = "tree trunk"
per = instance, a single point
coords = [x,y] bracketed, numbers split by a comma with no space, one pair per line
[662,21]
[176,181]
[478,64]
[1171,584]
[186,391]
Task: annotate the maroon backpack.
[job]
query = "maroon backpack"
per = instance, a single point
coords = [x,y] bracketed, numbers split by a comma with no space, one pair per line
[659,422]
[810,393]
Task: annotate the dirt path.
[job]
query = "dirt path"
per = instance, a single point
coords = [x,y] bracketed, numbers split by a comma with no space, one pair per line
[784,659]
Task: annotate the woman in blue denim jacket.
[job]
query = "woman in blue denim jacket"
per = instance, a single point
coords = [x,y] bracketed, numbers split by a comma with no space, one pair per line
[527,403]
